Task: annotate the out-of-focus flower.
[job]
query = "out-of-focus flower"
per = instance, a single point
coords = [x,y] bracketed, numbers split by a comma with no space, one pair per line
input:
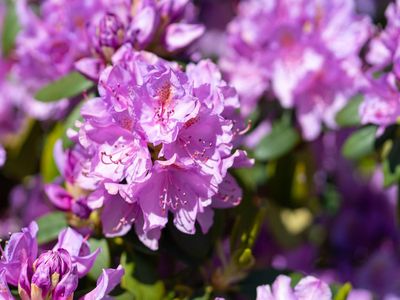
[383,49]
[306,52]
[27,202]
[54,273]
[85,34]
[308,288]
[360,295]
[384,261]
[381,105]
[3,156]
[162,27]
[49,44]
[154,127]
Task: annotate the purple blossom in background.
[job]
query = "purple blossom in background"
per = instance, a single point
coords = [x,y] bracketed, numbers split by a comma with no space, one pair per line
[305,52]
[49,44]
[142,24]
[16,99]
[153,128]
[309,288]
[27,202]
[381,105]
[3,156]
[54,273]
[85,34]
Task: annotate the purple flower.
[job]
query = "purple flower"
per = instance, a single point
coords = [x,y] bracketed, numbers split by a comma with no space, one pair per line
[360,295]
[107,281]
[309,288]
[74,197]
[48,45]
[21,248]
[26,203]
[306,53]
[3,156]
[54,273]
[159,26]
[154,127]
[380,104]
[11,98]
[383,49]
[5,292]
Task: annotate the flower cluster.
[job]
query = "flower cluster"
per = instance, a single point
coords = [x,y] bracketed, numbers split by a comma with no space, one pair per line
[53,274]
[123,122]
[83,35]
[305,52]
[381,105]
[160,140]
[308,288]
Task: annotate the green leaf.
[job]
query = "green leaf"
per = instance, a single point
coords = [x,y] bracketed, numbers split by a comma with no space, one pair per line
[66,87]
[50,226]
[10,29]
[137,289]
[282,138]
[102,260]
[391,164]
[295,278]
[124,296]
[349,116]
[343,292]
[48,166]
[360,143]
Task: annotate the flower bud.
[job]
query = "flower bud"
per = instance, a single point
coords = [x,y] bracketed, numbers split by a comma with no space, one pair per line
[51,271]
[110,35]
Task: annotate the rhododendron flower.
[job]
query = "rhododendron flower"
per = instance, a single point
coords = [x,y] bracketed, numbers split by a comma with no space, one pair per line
[3,156]
[309,288]
[54,273]
[85,34]
[305,52]
[384,49]
[73,197]
[381,105]
[49,44]
[161,141]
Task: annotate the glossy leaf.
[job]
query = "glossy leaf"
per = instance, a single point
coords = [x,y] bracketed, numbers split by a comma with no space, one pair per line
[50,226]
[102,260]
[137,289]
[282,138]
[11,28]
[68,86]
[349,115]
[360,143]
